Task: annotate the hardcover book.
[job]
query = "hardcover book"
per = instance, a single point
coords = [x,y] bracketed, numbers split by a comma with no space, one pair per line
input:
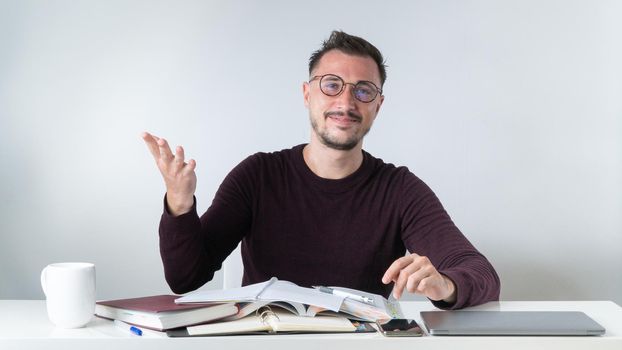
[160,312]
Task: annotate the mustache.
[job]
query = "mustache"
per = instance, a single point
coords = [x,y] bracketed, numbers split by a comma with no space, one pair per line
[350,114]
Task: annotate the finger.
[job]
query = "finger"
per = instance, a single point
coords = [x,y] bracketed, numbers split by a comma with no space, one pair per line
[164,149]
[152,144]
[417,262]
[145,135]
[393,271]
[179,156]
[188,168]
[402,279]
[414,283]
[426,286]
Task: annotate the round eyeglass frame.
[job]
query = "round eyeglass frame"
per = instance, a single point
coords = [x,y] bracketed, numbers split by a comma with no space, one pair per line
[343,86]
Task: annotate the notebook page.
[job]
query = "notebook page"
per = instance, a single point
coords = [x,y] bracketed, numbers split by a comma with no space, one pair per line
[247,293]
[284,290]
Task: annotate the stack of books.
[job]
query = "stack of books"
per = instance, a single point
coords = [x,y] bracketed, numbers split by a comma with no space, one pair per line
[270,307]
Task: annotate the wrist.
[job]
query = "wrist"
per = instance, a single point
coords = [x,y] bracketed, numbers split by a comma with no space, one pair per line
[178,206]
[451,287]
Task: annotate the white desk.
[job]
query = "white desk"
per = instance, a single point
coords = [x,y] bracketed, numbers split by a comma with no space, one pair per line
[24,325]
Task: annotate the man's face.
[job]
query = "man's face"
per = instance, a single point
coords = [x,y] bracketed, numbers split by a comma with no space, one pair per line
[340,122]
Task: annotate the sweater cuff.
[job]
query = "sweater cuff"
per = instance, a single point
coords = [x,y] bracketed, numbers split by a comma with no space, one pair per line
[182,224]
[167,212]
[461,292]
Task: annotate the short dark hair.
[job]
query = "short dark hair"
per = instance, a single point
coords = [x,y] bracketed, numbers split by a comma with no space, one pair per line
[351,45]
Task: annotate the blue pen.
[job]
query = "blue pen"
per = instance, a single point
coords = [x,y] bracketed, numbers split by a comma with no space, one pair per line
[128,327]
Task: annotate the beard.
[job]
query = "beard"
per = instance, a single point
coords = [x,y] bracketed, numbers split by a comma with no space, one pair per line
[331,141]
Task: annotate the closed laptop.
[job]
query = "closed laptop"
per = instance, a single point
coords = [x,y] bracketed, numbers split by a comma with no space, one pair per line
[510,323]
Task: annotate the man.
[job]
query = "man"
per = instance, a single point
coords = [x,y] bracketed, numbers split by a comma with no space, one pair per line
[326,212]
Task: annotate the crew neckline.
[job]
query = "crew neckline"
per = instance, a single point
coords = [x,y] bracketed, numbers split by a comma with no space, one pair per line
[331,185]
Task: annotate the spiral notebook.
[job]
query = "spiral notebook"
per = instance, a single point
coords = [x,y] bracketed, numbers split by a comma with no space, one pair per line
[268,321]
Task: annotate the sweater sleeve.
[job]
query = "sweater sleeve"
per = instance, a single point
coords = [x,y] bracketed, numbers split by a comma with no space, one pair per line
[192,248]
[428,230]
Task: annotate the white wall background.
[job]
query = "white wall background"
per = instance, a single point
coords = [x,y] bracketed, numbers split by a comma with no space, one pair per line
[510,110]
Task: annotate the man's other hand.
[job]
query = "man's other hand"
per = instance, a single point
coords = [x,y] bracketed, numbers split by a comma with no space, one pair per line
[417,274]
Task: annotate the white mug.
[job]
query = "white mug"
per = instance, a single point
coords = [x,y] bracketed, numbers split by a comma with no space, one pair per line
[70,293]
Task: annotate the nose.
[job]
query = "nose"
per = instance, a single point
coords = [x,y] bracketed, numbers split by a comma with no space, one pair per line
[346,98]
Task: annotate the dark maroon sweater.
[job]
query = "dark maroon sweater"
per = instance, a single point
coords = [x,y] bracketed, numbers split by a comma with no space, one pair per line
[309,230]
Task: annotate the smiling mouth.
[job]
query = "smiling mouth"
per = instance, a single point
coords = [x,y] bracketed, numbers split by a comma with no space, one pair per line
[341,117]
[342,120]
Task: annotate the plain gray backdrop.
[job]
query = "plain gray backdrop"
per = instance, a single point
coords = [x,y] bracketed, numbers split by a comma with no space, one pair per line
[509,110]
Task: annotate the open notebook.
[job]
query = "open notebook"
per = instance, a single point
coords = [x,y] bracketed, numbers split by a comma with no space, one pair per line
[268,321]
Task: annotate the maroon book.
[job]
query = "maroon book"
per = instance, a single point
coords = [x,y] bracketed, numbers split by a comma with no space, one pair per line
[159,312]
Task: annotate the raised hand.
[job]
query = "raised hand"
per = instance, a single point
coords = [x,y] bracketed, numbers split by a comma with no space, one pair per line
[179,176]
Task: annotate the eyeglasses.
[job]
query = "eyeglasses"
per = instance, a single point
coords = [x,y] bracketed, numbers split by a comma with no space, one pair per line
[333,85]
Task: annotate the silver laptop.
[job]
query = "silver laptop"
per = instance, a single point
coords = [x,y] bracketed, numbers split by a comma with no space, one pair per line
[510,323]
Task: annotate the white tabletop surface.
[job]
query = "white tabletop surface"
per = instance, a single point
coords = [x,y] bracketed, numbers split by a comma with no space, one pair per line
[24,325]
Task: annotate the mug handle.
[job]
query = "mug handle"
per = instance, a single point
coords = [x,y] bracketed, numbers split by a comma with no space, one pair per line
[43,280]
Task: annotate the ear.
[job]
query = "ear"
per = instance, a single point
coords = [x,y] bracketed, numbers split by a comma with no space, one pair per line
[379,104]
[305,93]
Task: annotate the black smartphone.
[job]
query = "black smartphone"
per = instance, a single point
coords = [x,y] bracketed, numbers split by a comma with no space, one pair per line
[400,327]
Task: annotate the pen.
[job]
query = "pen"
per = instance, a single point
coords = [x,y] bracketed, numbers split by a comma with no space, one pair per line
[128,327]
[340,293]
